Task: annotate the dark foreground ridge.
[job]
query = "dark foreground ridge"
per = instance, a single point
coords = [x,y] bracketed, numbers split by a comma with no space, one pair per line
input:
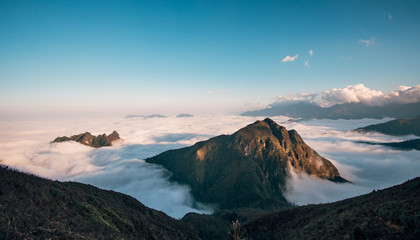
[392,213]
[246,169]
[93,141]
[37,208]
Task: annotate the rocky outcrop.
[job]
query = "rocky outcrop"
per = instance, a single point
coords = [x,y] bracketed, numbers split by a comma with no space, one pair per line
[93,141]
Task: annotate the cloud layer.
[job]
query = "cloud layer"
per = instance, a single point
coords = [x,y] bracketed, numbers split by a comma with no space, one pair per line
[25,145]
[368,167]
[357,93]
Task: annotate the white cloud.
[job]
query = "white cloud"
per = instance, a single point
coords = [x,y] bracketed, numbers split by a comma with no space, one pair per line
[25,145]
[311,52]
[352,93]
[307,63]
[297,97]
[290,59]
[357,93]
[368,42]
[388,15]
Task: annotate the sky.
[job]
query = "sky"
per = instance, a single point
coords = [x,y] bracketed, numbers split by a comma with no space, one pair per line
[135,57]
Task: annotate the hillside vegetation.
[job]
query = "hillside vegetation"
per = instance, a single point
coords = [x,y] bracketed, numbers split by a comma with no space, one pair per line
[37,208]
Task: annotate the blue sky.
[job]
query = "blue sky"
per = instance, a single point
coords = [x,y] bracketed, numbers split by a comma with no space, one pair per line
[133,57]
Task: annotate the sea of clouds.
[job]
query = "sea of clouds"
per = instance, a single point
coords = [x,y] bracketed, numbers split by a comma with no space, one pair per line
[26,145]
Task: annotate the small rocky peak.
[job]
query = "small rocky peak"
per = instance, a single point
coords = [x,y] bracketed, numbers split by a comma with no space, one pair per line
[114,136]
[93,141]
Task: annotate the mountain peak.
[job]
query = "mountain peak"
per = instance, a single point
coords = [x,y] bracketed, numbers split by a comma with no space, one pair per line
[248,168]
[267,139]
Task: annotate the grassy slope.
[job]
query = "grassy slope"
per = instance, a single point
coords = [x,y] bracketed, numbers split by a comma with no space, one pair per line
[36,208]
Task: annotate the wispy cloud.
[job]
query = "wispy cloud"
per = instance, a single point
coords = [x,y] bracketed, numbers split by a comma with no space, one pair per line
[388,15]
[368,42]
[311,52]
[307,64]
[290,59]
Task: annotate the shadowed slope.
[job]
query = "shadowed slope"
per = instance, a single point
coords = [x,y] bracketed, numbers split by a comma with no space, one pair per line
[36,208]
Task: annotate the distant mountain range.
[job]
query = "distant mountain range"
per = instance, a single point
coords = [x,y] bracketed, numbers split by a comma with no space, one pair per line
[37,208]
[245,169]
[89,140]
[308,110]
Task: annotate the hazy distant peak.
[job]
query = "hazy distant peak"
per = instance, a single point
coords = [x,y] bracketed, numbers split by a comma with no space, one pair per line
[183,115]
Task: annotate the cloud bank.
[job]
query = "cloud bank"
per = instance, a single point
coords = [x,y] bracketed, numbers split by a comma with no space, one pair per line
[25,145]
[357,93]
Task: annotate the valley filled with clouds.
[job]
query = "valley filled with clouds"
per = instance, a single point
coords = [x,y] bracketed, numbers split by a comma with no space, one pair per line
[26,146]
